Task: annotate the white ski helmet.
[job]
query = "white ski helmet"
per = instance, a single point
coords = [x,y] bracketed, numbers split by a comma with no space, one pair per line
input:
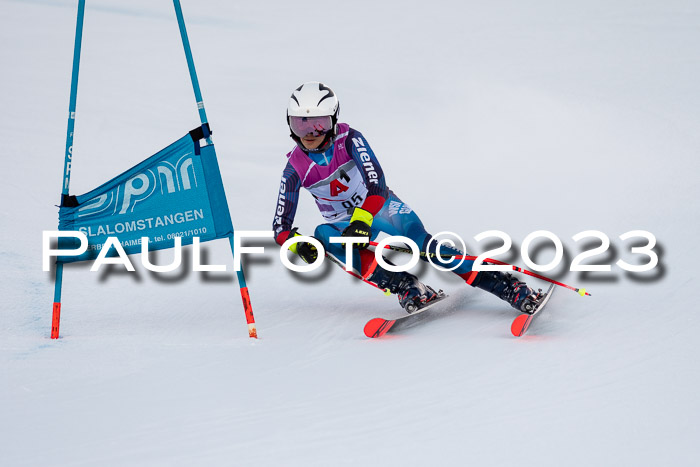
[313,99]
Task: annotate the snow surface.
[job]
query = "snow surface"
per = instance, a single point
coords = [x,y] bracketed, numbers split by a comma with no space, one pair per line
[508,115]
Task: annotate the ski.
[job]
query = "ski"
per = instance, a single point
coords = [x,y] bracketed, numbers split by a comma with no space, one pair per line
[522,322]
[377,327]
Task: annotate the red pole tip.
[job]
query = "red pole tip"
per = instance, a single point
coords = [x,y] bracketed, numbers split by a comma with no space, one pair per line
[55,320]
[252,331]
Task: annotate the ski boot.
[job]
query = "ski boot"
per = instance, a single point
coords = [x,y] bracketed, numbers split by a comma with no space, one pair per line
[413,294]
[509,288]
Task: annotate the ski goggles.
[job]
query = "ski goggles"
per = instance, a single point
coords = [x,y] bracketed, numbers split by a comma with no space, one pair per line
[316,126]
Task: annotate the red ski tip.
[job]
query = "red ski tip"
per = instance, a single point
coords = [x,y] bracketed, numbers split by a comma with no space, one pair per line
[520,325]
[377,327]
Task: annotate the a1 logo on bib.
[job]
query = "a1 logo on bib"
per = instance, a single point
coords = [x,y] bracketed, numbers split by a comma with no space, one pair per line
[337,187]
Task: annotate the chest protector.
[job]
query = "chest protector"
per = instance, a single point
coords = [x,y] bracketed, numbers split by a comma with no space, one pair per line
[336,187]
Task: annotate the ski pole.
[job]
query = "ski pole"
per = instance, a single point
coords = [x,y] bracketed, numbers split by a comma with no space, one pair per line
[580,291]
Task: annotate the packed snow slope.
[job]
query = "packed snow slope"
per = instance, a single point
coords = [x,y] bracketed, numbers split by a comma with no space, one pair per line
[508,115]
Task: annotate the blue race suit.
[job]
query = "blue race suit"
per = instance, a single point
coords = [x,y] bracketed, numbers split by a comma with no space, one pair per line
[348,174]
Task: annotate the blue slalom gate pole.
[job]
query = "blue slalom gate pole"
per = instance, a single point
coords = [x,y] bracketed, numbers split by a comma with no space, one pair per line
[56,318]
[245,296]
[190,62]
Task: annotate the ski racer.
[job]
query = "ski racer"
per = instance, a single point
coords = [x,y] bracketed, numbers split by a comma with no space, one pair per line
[336,164]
